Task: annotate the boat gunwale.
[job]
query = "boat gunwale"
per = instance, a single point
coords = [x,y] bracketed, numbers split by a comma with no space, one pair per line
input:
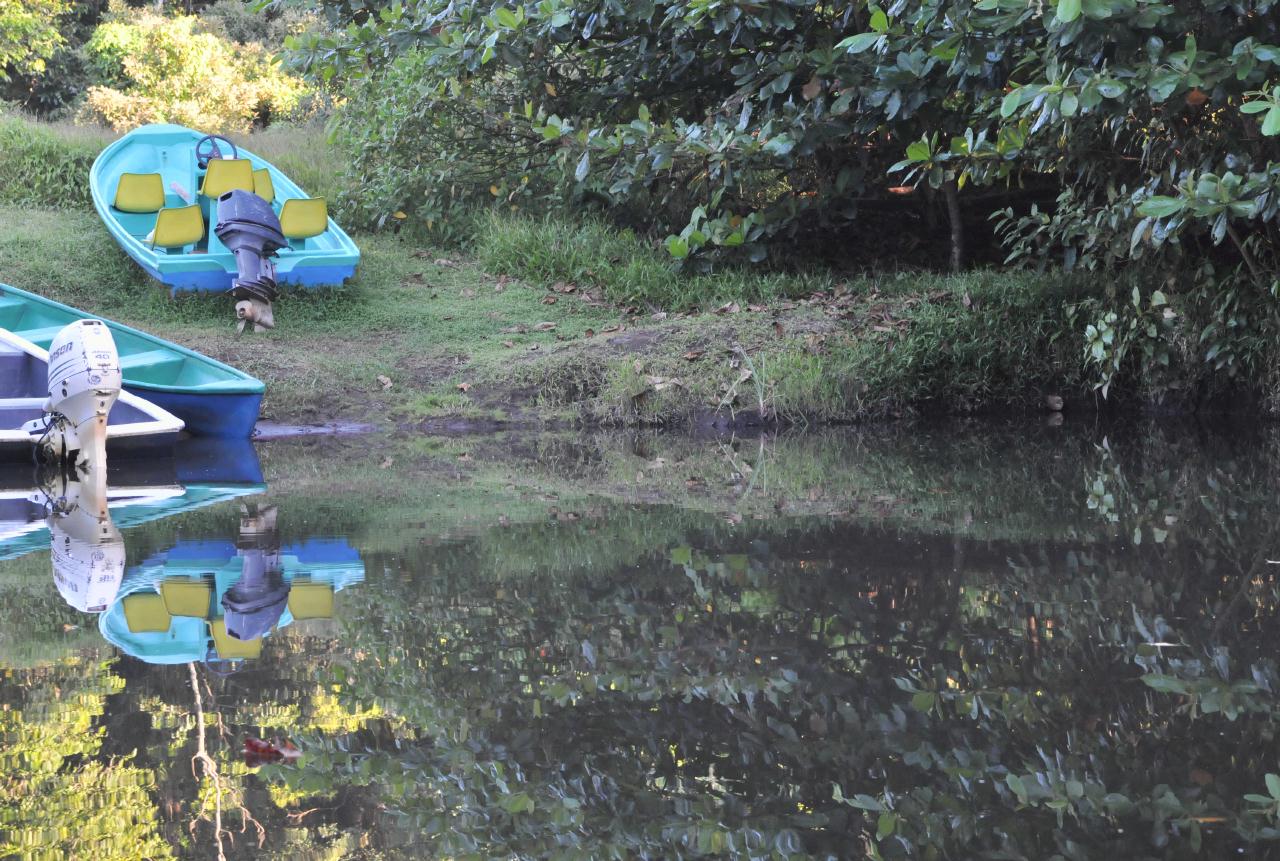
[247,384]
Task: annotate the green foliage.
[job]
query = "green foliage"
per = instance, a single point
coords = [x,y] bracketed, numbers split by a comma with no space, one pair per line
[158,68]
[1103,136]
[29,34]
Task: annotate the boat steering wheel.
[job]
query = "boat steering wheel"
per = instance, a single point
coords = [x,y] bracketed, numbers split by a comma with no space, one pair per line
[204,153]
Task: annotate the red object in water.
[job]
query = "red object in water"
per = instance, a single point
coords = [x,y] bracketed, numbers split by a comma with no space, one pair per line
[258,752]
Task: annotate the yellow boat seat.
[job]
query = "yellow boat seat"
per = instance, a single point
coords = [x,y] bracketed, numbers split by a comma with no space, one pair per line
[178,226]
[184,597]
[228,647]
[311,600]
[262,185]
[139,192]
[304,217]
[144,613]
[225,174]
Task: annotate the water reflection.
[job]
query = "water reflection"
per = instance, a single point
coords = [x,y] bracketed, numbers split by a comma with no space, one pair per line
[1004,642]
[214,601]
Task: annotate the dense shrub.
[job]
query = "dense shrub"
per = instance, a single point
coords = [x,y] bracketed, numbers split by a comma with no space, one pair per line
[29,34]
[159,68]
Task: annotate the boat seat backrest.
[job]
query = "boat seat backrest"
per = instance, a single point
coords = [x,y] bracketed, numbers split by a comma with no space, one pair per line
[226,174]
[178,226]
[310,600]
[262,185]
[304,217]
[144,613]
[228,647]
[139,192]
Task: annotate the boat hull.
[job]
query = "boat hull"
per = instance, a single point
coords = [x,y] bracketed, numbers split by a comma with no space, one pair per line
[216,415]
[325,260]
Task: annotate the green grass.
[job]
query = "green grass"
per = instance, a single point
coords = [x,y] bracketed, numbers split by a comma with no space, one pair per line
[628,270]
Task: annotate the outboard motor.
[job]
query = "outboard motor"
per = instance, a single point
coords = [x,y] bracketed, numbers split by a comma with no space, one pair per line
[250,229]
[84,383]
[255,603]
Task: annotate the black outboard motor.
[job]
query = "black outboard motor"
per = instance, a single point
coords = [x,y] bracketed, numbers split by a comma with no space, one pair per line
[248,226]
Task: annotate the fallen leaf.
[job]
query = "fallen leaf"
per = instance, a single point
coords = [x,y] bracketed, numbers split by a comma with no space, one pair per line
[661,315]
[590,333]
[386,463]
[385,380]
[463,387]
[508,344]
[777,329]
[445,262]
[613,328]
[258,752]
[545,326]
[1196,97]
[1201,777]
[549,299]
[757,308]
[550,87]
[729,308]
[564,287]
[420,253]
[468,293]
[517,329]
[811,90]
[399,215]
[692,355]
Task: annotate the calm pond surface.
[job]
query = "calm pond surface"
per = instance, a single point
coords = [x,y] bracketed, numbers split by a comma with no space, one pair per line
[977,641]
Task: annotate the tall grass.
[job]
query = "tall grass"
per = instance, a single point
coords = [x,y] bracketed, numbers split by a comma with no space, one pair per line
[628,269]
[47,164]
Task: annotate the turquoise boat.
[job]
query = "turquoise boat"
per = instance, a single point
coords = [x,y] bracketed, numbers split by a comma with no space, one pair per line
[158,198]
[170,608]
[213,399]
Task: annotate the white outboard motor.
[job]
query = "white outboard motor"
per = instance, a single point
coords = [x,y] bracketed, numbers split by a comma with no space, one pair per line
[84,382]
[86,547]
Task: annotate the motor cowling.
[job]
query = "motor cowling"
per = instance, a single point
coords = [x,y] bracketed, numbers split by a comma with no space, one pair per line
[250,229]
[84,383]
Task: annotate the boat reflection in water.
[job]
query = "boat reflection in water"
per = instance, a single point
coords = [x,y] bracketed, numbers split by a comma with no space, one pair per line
[215,601]
[200,600]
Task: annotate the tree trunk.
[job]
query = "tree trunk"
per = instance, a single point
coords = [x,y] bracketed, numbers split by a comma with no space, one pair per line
[952,193]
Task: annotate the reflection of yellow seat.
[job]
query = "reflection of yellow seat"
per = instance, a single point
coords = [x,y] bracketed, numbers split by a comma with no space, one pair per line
[139,192]
[303,217]
[183,225]
[183,597]
[225,174]
[262,185]
[228,647]
[311,600]
[144,613]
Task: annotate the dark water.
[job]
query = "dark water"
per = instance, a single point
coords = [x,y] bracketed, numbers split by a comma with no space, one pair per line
[971,642]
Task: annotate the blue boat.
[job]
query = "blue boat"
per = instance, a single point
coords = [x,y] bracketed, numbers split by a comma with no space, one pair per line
[213,399]
[158,198]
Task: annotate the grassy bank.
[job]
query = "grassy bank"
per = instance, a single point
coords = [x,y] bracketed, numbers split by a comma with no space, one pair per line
[539,320]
